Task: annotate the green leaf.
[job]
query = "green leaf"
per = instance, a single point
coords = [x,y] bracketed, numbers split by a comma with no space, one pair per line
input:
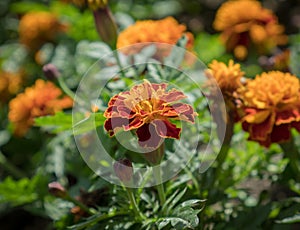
[174,201]
[289,220]
[61,122]
[57,123]
[93,121]
[19,192]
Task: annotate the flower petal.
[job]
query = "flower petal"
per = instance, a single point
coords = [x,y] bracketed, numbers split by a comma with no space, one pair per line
[148,137]
[166,129]
[287,116]
[255,116]
[281,133]
[261,131]
[134,123]
[112,125]
[172,96]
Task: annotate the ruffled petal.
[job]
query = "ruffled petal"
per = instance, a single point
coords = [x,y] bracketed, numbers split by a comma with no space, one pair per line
[148,137]
[255,116]
[166,129]
[172,96]
[288,116]
[134,123]
[112,125]
[261,131]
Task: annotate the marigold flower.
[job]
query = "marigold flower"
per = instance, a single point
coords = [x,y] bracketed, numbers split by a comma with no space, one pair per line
[271,107]
[42,99]
[246,22]
[10,84]
[148,108]
[228,77]
[36,28]
[166,30]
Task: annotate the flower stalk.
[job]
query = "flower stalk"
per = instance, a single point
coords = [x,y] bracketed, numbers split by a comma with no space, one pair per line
[133,203]
[11,168]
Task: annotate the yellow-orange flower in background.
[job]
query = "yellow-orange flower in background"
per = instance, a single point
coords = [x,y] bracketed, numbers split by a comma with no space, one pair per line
[36,28]
[229,77]
[246,22]
[166,30]
[42,99]
[270,107]
[10,84]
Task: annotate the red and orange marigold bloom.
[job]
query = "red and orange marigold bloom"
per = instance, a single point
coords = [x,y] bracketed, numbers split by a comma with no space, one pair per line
[148,108]
[166,30]
[42,99]
[271,107]
[36,28]
[246,22]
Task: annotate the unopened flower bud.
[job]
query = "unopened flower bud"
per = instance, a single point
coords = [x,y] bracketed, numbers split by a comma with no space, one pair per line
[97,4]
[56,189]
[123,170]
[50,71]
[106,26]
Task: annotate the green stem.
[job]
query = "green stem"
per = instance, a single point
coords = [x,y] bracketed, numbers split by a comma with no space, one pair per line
[159,186]
[292,152]
[133,203]
[6,164]
[65,88]
[79,204]
[225,145]
[101,218]
[116,54]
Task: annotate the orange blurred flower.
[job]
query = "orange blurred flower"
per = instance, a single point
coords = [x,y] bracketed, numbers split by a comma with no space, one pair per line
[271,107]
[148,108]
[246,22]
[10,84]
[36,28]
[166,30]
[42,99]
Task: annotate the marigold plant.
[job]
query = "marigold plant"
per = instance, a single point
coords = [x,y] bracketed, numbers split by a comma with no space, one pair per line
[271,107]
[42,99]
[148,109]
[246,22]
[36,28]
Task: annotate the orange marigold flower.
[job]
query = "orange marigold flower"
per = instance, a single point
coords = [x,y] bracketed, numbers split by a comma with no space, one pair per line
[36,28]
[271,107]
[246,22]
[148,108]
[228,77]
[10,84]
[166,30]
[42,99]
